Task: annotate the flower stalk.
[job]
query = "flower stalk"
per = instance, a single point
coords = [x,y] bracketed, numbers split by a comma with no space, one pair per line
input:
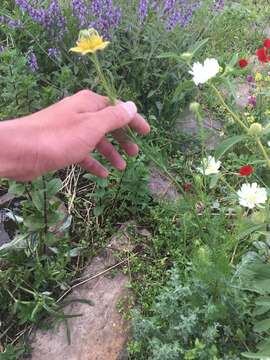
[241,124]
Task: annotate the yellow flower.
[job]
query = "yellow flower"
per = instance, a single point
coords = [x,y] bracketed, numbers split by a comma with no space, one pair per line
[258,76]
[89,42]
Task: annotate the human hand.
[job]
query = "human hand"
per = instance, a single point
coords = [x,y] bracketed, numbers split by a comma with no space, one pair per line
[66,133]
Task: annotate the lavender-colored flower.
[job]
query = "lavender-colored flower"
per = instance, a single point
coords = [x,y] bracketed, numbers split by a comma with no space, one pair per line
[252,100]
[80,11]
[49,17]
[2,49]
[143,9]
[250,78]
[11,23]
[106,16]
[32,61]
[54,53]
[218,5]
[173,20]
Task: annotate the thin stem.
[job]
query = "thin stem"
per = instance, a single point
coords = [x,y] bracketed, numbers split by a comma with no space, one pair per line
[45,205]
[258,141]
[108,88]
[234,116]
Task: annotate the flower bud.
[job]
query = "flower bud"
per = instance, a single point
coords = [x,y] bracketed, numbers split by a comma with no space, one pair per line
[186,56]
[194,107]
[255,129]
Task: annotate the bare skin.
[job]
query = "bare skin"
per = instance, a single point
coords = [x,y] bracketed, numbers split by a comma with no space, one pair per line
[66,133]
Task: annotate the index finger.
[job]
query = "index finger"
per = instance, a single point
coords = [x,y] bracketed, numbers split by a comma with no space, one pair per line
[140,125]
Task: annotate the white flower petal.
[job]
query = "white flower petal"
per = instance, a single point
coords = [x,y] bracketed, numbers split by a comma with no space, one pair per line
[209,166]
[203,72]
[251,195]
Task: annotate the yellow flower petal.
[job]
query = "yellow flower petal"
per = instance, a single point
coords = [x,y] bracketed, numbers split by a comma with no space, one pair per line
[89,42]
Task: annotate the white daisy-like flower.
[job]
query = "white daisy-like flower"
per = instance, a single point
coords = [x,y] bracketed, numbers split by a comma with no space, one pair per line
[251,195]
[210,166]
[203,72]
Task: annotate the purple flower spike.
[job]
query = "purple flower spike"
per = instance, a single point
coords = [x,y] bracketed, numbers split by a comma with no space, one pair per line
[252,100]
[54,53]
[143,9]
[250,78]
[32,61]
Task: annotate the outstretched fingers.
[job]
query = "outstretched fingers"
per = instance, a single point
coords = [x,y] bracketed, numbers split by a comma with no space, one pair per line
[94,167]
[111,154]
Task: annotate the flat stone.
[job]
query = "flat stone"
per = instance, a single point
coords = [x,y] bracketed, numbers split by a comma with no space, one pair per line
[101,333]
[161,188]
[188,124]
[4,237]
[6,198]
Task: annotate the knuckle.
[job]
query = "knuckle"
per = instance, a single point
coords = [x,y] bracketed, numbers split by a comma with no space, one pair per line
[85,94]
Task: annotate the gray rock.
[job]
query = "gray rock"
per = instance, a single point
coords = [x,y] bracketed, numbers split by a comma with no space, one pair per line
[161,188]
[188,124]
[6,198]
[243,91]
[101,333]
[4,237]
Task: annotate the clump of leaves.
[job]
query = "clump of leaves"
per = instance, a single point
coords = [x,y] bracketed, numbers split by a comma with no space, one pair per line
[200,317]
[255,277]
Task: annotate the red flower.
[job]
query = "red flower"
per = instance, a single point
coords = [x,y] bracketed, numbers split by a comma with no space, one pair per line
[243,63]
[262,55]
[267,43]
[246,170]
[186,187]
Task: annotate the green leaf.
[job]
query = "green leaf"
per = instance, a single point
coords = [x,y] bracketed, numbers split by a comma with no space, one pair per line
[98,210]
[198,45]
[262,325]
[53,187]
[234,60]
[170,55]
[38,200]
[251,230]
[16,188]
[214,181]
[227,144]
[259,355]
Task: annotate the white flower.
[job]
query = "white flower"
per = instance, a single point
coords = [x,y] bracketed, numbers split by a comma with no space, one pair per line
[252,195]
[210,166]
[268,143]
[203,72]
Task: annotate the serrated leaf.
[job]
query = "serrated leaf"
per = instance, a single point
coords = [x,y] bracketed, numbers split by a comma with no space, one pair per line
[228,144]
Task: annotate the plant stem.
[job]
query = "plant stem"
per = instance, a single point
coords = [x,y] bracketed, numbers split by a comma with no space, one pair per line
[108,88]
[234,116]
[45,205]
[240,122]
[258,141]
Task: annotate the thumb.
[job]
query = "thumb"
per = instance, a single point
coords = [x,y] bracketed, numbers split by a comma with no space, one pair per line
[114,117]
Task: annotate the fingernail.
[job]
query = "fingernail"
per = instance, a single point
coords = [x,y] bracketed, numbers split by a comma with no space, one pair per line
[130,107]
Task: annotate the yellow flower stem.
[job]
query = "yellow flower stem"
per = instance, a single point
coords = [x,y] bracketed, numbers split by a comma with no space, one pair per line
[234,116]
[110,92]
[258,141]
